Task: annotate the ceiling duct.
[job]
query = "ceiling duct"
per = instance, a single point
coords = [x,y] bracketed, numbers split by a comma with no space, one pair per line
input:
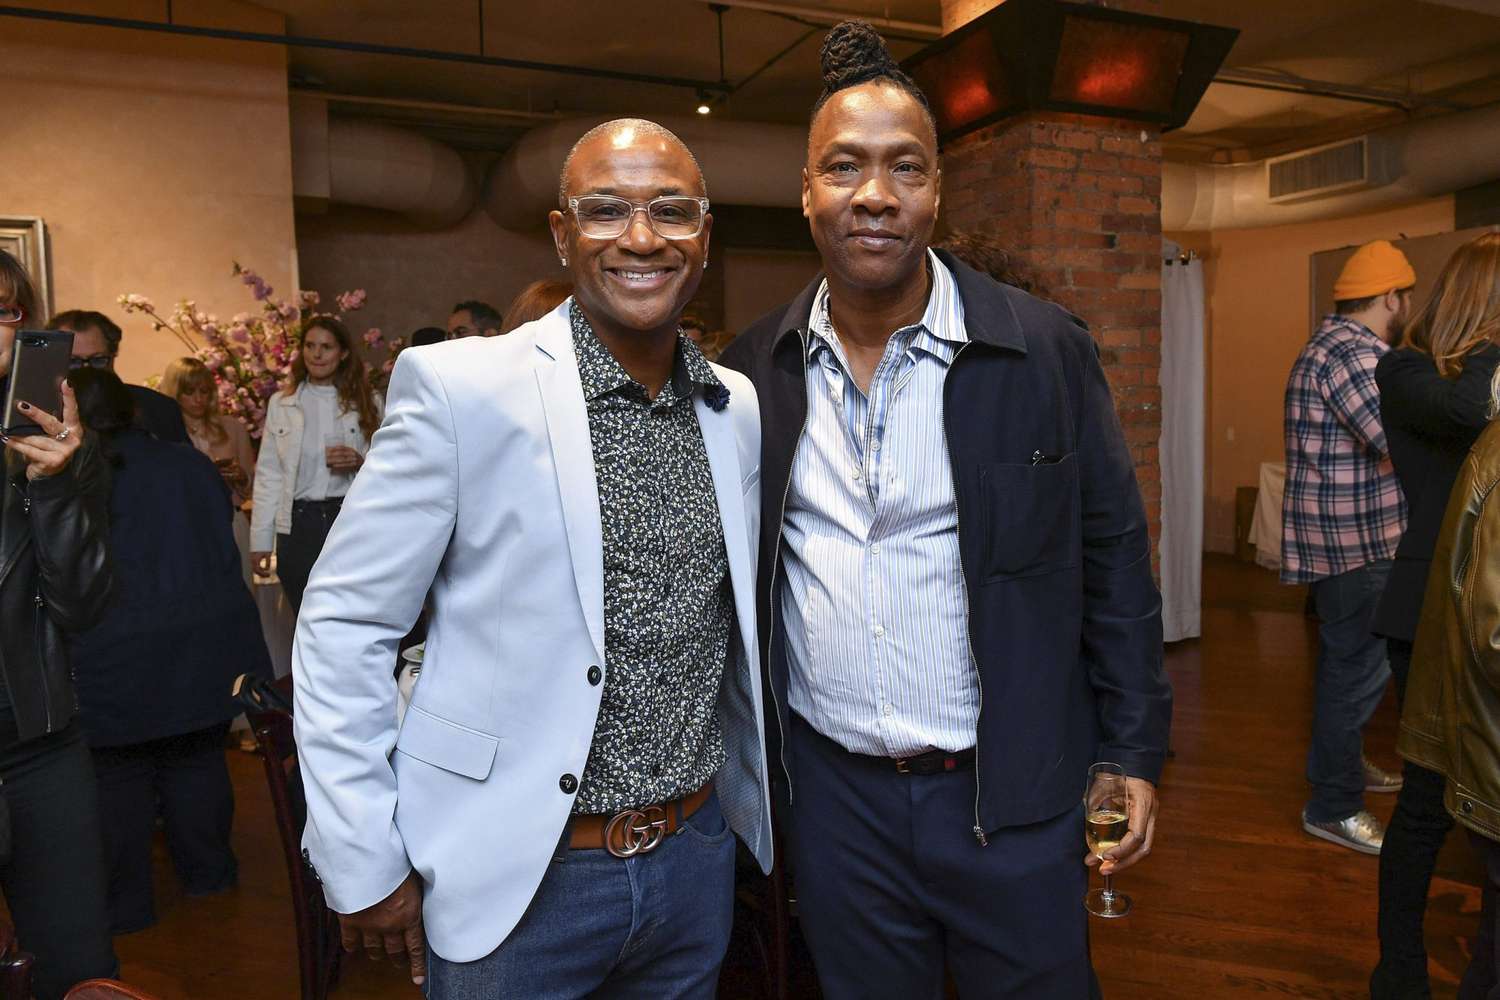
[352,161]
[744,163]
[1419,159]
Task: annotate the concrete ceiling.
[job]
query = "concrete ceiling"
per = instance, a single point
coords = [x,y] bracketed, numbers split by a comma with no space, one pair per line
[1433,56]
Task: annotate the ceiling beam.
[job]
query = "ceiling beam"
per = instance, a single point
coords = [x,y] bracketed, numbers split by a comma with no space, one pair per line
[823,15]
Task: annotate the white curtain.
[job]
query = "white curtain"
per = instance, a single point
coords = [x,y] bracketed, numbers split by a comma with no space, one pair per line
[1182,374]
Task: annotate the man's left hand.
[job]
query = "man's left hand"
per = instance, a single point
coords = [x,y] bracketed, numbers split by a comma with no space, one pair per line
[1137,843]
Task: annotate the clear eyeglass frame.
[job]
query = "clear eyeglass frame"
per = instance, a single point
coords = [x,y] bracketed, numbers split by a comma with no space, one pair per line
[613,229]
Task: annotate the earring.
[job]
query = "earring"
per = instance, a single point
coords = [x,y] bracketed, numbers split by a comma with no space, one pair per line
[705,263]
[564,261]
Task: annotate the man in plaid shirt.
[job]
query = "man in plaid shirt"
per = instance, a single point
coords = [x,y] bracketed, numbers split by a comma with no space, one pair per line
[1342,517]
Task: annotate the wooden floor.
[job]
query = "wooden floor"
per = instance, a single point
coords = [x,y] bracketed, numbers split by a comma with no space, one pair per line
[1236,901]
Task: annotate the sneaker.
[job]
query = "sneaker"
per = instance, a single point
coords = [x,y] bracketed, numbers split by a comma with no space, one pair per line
[1361,832]
[1379,780]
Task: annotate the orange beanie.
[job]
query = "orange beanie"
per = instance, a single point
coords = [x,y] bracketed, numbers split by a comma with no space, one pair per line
[1375,268]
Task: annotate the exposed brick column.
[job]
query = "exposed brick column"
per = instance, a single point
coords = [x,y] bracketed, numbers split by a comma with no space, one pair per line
[1078,199]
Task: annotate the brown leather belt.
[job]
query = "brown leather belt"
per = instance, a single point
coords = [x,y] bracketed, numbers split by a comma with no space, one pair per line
[635,831]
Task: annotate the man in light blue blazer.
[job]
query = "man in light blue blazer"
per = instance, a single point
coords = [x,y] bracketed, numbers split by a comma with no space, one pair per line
[556,815]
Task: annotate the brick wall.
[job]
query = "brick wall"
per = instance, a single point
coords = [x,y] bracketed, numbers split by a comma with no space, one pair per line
[1079,200]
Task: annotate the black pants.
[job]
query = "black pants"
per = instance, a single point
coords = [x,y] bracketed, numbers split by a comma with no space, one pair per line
[1413,839]
[54,882]
[297,552]
[892,885]
[1483,973]
[187,773]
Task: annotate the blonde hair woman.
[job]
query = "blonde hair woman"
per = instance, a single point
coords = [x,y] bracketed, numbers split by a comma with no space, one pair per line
[1434,402]
[221,438]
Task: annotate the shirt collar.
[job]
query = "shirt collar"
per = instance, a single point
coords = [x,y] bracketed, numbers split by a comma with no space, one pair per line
[601,374]
[942,320]
[1335,321]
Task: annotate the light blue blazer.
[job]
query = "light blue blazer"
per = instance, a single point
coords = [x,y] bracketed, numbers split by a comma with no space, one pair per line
[480,485]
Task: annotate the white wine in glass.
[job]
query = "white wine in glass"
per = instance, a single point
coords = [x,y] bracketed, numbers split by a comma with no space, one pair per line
[1106,816]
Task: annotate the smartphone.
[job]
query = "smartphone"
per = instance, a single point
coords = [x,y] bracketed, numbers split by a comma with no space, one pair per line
[38,365]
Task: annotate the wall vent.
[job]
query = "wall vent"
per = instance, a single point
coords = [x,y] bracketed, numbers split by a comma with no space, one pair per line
[1317,173]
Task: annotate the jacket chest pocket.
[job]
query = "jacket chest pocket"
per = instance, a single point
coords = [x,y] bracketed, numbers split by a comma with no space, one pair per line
[1031,518]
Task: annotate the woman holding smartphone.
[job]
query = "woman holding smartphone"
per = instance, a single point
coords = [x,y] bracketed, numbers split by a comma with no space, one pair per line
[318,430]
[54,579]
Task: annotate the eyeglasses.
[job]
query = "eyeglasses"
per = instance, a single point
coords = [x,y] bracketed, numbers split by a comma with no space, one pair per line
[672,217]
[12,315]
[99,362]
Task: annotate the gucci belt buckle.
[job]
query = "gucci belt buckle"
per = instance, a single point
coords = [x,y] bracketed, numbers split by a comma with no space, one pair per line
[637,831]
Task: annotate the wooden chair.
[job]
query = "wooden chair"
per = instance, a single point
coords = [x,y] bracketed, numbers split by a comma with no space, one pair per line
[107,989]
[15,967]
[316,925]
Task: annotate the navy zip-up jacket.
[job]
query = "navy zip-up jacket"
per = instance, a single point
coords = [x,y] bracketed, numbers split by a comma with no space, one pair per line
[1064,616]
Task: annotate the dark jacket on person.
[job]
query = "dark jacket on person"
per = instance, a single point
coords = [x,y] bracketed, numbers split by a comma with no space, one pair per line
[159,414]
[1430,423]
[1451,720]
[181,625]
[54,578]
[1064,617]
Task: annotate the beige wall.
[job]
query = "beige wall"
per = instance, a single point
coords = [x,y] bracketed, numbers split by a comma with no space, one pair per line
[414,277]
[156,161]
[1257,284]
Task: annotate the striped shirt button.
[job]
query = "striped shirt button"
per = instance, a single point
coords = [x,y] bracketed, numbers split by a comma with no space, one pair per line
[879,631]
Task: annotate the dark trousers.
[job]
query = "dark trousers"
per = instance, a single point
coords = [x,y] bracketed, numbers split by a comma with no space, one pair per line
[190,778]
[892,885]
[297,552]
[1350,683]
[1413,839]
[1483,974]
[54,881]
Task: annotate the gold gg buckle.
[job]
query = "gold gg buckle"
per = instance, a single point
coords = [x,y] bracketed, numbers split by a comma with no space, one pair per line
[637,831]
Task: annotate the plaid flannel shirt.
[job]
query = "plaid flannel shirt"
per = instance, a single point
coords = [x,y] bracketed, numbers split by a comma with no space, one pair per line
[1343,507]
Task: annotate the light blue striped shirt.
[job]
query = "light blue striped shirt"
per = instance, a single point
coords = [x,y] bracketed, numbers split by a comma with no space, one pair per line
[874,601]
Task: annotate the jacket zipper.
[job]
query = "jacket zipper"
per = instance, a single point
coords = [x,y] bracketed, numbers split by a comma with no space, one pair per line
[978,828]
[41,660]
[776,567]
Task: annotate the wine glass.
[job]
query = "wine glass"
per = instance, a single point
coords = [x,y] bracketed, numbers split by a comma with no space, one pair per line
[1106,813]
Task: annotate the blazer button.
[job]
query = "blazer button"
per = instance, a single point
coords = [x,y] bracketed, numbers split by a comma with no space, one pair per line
[595,675]
[1466,806]
[568,784]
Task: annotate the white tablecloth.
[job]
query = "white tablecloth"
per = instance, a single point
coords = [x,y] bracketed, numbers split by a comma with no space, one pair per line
[1265,526]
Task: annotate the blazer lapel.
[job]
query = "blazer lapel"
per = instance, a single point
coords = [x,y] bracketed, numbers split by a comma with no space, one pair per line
[573,461]
[724,462]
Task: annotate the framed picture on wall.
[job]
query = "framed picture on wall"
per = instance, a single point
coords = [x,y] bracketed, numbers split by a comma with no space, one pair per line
[25,238]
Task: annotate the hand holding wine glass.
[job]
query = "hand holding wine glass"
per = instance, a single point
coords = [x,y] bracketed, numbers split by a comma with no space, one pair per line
[1106,813]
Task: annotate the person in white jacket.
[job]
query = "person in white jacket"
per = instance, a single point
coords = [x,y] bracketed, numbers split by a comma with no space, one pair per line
[318,430]
[556,814]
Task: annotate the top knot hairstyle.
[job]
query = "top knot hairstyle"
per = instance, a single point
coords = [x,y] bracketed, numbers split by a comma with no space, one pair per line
[853,54]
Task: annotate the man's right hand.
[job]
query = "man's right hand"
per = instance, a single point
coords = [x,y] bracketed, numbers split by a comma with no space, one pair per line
[392,928]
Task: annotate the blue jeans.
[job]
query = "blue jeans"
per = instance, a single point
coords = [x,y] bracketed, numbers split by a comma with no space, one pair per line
[1352,674]
[654,926]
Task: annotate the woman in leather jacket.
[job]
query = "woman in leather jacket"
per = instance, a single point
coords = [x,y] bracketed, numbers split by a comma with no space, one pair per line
[1450,723]
[1434,402]
[54,578]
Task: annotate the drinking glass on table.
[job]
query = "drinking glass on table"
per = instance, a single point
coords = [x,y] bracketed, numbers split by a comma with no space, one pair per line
[1106,814]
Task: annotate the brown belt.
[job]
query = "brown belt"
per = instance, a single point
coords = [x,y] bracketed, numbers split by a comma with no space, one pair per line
[636,831]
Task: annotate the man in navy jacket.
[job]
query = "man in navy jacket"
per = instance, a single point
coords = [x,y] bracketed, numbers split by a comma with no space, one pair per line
[956,604]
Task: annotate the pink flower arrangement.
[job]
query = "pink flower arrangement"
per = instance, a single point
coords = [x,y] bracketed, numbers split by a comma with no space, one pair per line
[251,355]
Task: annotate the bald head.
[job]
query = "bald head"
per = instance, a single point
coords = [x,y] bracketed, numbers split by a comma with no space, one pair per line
[622,134]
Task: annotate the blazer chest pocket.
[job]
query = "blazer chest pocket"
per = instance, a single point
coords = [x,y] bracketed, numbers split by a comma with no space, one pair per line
[1030,517]
[446,744]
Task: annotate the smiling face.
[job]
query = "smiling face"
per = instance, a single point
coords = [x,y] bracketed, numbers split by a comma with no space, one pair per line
[870,190]
[639,281]
[321,354]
